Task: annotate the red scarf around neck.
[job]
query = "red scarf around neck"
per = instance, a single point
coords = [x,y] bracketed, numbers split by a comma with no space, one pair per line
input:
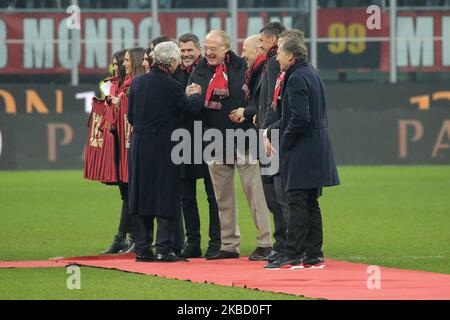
[261,59]
[161,67]
[126,84]
[272,52]
[218,87]
[278,84]
[189,69]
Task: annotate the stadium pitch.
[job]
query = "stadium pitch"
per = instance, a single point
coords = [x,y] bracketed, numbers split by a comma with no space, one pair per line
[387,216]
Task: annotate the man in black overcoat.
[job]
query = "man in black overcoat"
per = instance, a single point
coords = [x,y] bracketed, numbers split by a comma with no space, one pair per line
[307,158]
[155,103]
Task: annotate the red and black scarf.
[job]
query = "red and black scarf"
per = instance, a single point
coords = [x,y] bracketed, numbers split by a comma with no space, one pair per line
[272,52]
[125,87]
[164,68]
[280,80]
[276,93]
[260,60]
[218,86]
[190,68]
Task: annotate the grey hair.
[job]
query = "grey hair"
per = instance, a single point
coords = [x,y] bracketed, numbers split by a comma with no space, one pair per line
[166,52]
[296,46]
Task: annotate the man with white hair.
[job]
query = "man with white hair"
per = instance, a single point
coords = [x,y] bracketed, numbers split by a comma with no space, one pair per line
[155,103]
[222,78]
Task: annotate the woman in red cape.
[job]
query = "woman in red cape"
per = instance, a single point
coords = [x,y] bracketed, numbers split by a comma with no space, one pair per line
[127,64]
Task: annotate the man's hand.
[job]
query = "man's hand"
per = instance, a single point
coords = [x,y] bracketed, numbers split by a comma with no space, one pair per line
[193,88]
[270,151]
[237,115]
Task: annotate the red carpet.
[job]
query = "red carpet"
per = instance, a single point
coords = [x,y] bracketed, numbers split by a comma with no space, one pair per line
[339,280]
[32,264]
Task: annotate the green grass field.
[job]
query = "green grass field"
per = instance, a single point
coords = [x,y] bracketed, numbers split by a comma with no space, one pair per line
[388,216]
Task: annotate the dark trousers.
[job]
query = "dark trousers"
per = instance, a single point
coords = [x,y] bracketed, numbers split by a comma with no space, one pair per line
[144,234]
[191,214]
[277,204]
[126,224]
[178,230]
[305,223]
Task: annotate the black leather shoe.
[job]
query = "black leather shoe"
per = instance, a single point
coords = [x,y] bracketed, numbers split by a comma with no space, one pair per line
[212,251]
[169,257]
[191,252]
[314,262]
[145,258]
[260,254]
[285,262]
[116,246]
[129,248]
[224,255]
[274,255]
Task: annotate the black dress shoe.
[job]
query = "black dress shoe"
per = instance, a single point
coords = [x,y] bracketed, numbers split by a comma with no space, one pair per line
[224,255]
[145,258]
[285,262]
[116,246]
[260,254]
[169,257]
[212,251]
[129,248]
[191,252]
[273,256]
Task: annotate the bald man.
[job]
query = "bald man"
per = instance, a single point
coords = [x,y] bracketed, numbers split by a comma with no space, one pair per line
[255,58]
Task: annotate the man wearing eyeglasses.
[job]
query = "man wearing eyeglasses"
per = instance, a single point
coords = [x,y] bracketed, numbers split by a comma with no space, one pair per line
[222,78]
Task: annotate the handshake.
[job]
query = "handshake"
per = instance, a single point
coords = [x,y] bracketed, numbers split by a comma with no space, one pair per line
[237,115]
[193,88]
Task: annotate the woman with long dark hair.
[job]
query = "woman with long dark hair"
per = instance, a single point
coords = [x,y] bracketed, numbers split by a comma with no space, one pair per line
[147,62]
[127,64]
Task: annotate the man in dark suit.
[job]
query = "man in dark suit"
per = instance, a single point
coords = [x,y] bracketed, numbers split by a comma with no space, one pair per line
[307,158]
[273,190]
[190,56]
[255,58]
[155,103]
